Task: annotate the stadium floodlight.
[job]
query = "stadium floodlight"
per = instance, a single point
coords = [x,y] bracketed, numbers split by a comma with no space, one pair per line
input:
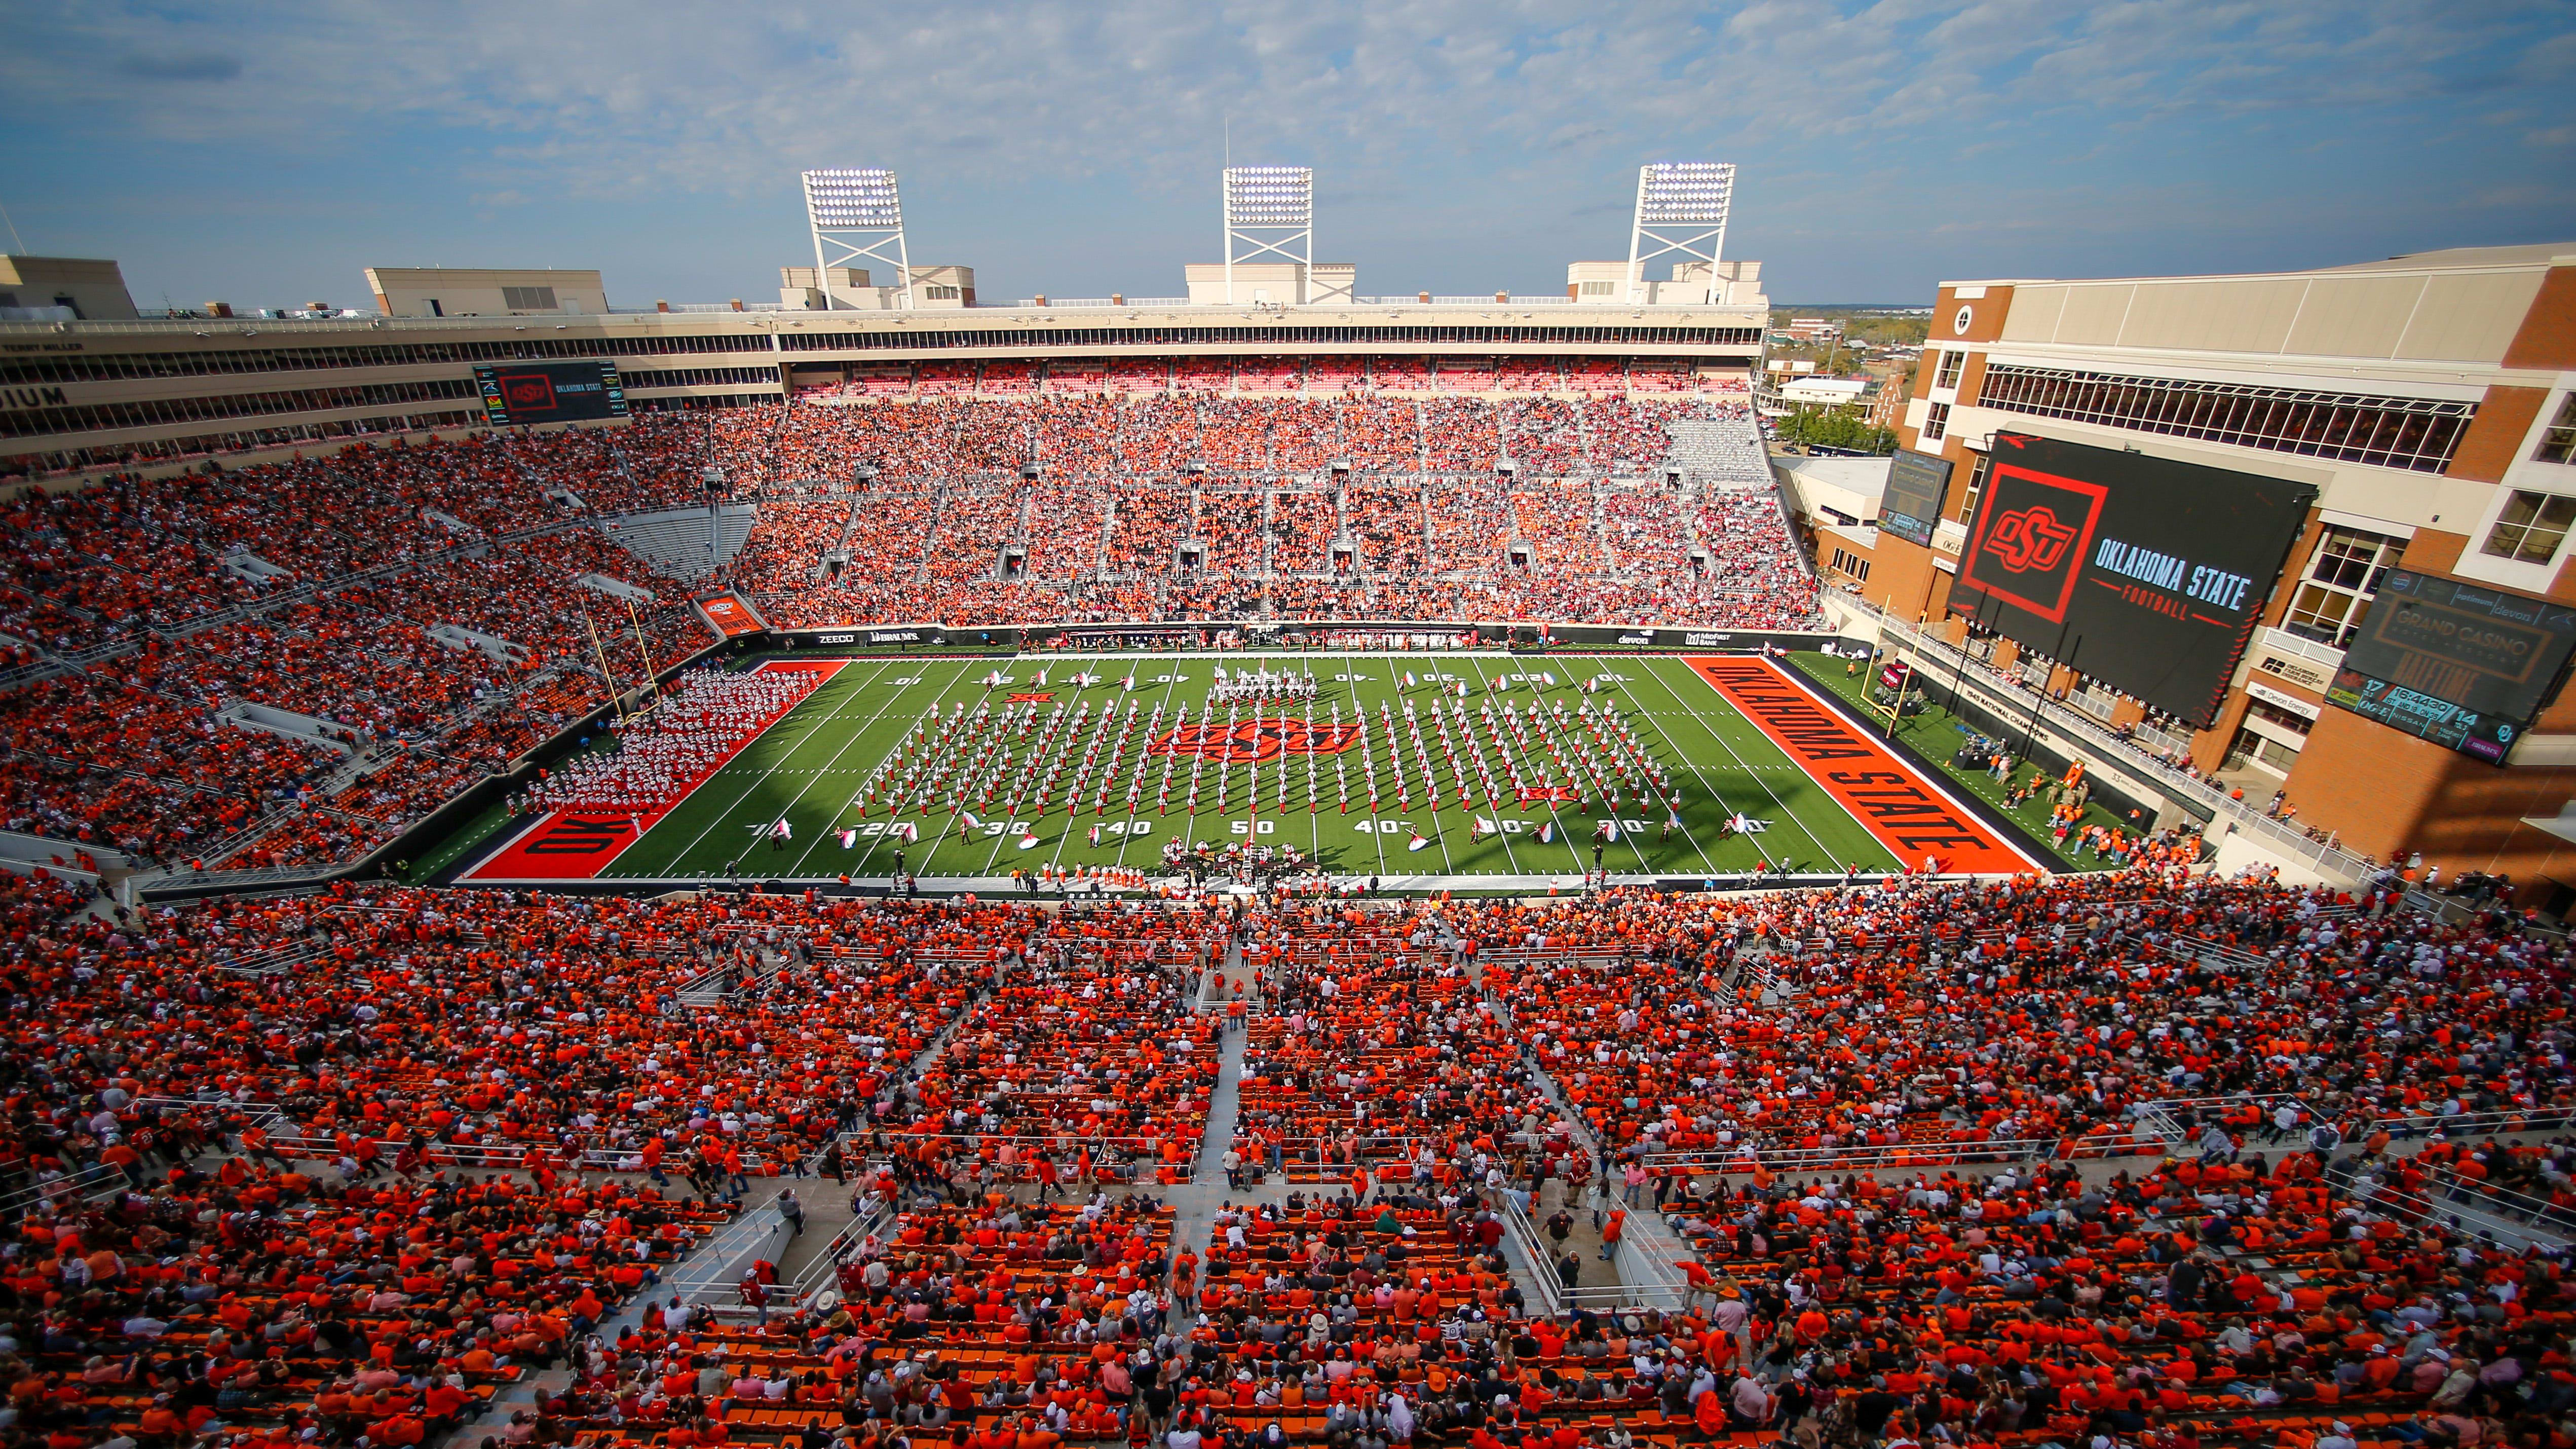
[857,211]
[1279,203]
[1680,206]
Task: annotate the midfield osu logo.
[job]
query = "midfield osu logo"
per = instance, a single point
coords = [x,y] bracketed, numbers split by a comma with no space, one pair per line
[1257,740]
[2033,531]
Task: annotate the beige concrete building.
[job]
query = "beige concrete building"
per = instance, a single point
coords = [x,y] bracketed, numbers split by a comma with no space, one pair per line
[485,292]
[1290,284]
[81,287]
[851,289]
[1692,284]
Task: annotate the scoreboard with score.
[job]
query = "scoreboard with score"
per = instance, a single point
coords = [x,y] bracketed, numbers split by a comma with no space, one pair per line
[549,392]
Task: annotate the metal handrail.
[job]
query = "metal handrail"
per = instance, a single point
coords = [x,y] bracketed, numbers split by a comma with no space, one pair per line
[1803,1160]
[89,1184]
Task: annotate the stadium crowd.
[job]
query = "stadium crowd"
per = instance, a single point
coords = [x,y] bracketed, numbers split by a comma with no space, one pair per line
[1155,509]
[288,663]
[351,1200]
[418,606]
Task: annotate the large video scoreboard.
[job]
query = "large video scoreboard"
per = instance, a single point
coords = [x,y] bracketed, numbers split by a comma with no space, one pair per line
[2143,572]
[549,392]
[2465,665]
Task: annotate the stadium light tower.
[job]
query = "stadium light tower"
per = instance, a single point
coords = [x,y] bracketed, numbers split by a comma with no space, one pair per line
[1277,203]
[856,211]
[1680,205]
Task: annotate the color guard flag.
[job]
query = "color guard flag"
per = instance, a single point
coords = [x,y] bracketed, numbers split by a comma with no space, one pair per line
[1417,842]
[1028,840]
[1095,835]
[971,822]
[850,839]
[1547,832]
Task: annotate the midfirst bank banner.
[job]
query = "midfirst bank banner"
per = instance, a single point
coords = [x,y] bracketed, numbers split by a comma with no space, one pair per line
[2141,572]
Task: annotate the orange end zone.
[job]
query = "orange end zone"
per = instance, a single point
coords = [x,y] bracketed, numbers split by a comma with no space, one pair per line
[1891,799]
[579,844]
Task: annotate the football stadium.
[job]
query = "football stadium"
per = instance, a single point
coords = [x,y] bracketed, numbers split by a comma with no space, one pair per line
[1280,866]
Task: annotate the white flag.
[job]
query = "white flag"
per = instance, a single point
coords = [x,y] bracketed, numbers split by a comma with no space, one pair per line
[1028,840]
[971,822]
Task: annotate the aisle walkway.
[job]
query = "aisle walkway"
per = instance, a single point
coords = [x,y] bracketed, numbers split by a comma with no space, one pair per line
[1195,1203]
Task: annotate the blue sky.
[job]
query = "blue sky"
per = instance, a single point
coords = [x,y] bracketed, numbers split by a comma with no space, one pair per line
[264,153]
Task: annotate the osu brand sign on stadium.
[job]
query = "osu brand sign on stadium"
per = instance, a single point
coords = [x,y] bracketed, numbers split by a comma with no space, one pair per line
[1255,740]
[2143,572]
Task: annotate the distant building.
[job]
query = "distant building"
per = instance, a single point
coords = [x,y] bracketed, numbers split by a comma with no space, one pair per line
[485,292]
[62,289]
[852,289]
[2430,400]
[1693,284]
[1293,284]
[1815,329]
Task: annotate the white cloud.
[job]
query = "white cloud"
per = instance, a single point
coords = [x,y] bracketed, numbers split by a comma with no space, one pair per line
[1479,113]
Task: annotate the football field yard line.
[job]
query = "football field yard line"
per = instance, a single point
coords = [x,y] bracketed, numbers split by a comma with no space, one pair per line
[1555,808]
[1073,820]
[1566,732]
[1708,866]
[1430,787]
[1144,797]
[763,771]
[1354,668]
[747,757]
[1824,851]
[856,735]
[939,841]
[1547,722]
[683,857]
[1485,686]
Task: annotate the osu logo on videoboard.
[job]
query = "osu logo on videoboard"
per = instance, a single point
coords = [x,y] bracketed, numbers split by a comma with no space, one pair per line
[2029,538]
[2033,532]
[528,390]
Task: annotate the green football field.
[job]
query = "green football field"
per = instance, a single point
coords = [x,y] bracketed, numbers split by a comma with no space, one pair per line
[937,744]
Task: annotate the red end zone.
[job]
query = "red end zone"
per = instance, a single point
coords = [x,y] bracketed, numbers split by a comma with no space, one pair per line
[1890,798]
[579,844]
